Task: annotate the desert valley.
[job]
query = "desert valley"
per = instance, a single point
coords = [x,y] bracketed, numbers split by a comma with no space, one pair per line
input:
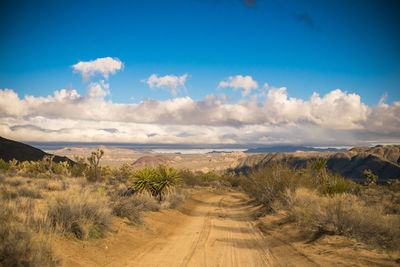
[199,133]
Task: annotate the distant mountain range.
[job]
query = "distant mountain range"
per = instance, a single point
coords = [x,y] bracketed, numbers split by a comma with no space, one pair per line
[10,149]
[384,161]
[288,148]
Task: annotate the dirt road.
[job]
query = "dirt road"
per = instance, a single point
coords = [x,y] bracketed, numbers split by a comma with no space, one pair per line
[215,229]
[217,232]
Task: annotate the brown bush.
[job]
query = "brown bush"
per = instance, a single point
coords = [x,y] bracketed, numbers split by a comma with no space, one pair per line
[344,214]
[20,246]
[80,212]
[21,241]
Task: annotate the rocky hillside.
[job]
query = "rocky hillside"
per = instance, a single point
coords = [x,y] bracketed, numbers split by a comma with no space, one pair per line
[151,161]
[384,161]
[10,149]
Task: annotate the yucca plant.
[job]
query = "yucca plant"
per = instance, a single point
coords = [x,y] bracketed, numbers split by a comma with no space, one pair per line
[166,177]
[155,181]
[143,180]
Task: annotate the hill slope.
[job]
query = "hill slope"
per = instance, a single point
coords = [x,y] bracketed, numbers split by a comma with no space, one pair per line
[10,149]
[384,161]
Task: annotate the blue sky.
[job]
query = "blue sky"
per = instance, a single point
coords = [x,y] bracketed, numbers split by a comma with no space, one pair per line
[353,45]
[305,45]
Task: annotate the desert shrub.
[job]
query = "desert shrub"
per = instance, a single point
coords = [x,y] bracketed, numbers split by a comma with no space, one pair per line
[126,207]
[21,240]
[232,179]
[190,178]
[394,185]
[146,202]
[79,212]
[32,167]
[52,185]
[381,195]
[209,177]
[25,191]
[20,246]
[78,169]
[270,183]
[61,168]
[13,164]
[8,193]
[124,172]
[344,214]
[370,177]
[336,184]
[16,181]
[131,206]
[174,197]
[4,165]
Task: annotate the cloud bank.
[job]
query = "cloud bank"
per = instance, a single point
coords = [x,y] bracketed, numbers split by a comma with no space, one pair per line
[269,116]
[337,118]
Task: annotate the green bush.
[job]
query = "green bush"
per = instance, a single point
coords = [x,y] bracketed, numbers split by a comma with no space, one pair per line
[4,165]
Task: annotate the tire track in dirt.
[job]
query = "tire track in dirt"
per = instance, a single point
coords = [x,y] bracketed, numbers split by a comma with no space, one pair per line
[217,230]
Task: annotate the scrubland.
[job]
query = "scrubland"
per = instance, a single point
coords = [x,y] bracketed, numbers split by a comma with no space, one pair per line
[44,199]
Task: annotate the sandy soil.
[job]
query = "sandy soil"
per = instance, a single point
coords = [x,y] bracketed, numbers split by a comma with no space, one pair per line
[214,229]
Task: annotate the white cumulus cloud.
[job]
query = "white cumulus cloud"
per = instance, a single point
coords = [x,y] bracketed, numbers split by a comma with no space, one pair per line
[240,82]
[172,83]
[104,66]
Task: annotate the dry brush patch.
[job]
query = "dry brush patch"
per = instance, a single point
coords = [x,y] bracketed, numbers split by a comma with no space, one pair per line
[79,211]
[345,214]
[328,203]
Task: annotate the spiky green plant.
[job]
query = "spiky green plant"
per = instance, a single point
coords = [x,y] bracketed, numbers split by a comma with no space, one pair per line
[155,181]
[143,180]
[166,177]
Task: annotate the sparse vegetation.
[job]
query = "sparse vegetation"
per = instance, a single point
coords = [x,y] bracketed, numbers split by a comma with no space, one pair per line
[43,198]
[79,211]
[329,204]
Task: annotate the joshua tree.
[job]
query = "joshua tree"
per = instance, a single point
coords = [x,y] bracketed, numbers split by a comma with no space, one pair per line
[94,161]
[370,177]
[48,163]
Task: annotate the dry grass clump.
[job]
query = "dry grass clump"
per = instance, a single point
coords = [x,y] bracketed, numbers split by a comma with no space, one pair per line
[25,191]
[344,214]
[130,205]
[174,197]
[80,212]
[8,193]
[21,240]
[20,246]
[124,207]
[51,185]
[16,181]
